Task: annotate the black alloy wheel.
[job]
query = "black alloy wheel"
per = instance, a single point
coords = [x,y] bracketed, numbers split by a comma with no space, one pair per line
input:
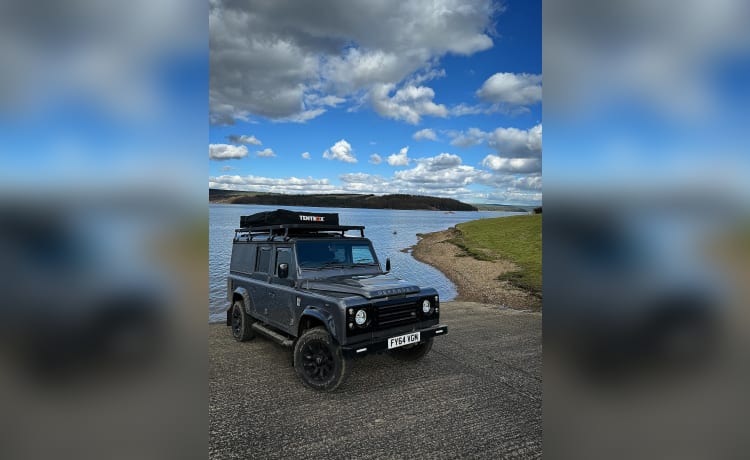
[319,361]
[241,323]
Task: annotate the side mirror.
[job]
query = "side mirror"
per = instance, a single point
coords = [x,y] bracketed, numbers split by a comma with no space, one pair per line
[283,270]
[387,264]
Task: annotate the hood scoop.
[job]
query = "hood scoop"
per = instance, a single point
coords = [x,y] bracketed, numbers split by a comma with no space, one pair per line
[369,287]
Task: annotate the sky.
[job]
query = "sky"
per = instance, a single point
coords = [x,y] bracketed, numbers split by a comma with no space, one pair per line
[441,99]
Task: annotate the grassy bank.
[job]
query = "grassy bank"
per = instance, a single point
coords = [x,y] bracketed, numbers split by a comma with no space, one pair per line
[517,239]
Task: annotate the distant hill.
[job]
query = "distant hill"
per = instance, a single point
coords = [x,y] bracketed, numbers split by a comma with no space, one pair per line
[504,207]
[340,200]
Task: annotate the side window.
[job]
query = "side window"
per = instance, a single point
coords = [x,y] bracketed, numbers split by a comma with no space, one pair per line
[263,260]
[243,258]
[283,256]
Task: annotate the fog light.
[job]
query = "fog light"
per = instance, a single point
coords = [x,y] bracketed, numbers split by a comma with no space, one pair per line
[360,318]
[426,306]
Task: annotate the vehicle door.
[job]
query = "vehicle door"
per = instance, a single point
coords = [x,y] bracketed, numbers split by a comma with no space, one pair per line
[281,289]
[261,277]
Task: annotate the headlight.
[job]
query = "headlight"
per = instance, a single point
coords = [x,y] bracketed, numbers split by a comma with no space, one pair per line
[360,318]
[426,306]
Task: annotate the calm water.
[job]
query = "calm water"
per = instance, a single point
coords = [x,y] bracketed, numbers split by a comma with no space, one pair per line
[390,232]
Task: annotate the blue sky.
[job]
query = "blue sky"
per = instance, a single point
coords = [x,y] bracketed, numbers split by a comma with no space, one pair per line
[385,97]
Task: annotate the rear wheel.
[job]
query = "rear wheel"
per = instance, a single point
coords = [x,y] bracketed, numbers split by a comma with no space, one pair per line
[412,352]
[241,322]
[319,361]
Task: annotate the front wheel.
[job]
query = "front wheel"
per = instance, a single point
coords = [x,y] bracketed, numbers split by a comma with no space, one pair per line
[241,323]
[319,361]
[412,352]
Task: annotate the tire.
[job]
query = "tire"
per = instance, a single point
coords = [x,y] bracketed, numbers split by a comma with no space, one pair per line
[412,352]
[241,322]
[318,360]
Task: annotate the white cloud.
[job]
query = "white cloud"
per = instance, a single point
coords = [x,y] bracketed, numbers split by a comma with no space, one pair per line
[409,103]
[507,142]
[375,159]
[273,185]
[341,151]
[516,165]
[518,143]
[512,88]
[227,168]
[426,133]
[425,76]
[318,100]
[226,152]
[280,59]
[244,139]
[305,155]
[444,160]
[302,117]
[266,153]
[443,171]
[400,158]
[441,175]
[470,138]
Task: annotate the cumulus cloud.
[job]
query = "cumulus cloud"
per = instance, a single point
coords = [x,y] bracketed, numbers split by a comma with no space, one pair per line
[517,165]
[469,138]
[408,104]
[519,143]
[341,151]
[512,88]
[273,185]
[400,158]
[442,171]
[375,159]
[441,175]
[305,155]
[244,139]
[426,133]
[266,153]
[282,59]
[507,142]
[226,152]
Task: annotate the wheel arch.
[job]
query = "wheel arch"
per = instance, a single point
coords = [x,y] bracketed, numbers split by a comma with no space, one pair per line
[239,293]
[313,317]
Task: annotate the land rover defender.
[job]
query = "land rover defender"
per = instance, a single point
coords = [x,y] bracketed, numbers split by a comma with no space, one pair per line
[306,282]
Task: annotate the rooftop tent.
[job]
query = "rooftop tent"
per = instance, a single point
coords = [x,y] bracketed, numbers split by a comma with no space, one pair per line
[286,217]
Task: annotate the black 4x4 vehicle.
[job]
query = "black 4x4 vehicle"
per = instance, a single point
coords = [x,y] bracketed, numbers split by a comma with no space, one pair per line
[303,281]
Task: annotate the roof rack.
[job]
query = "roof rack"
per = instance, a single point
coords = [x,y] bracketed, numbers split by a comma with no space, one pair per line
[285,224]
[287,231]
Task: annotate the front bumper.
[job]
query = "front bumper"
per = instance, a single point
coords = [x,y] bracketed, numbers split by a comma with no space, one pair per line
[381,345]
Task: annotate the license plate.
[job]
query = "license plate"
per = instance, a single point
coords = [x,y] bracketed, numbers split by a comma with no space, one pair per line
[400,341]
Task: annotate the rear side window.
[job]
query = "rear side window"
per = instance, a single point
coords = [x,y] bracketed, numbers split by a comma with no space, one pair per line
[263,260]
[243,258]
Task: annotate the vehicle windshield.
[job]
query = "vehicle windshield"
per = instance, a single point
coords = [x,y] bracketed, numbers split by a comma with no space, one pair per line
[320,254]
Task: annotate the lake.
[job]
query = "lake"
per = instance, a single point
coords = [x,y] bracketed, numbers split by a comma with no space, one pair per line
[390,232]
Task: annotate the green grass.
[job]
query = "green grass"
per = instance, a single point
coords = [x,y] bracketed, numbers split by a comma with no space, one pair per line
[516,238]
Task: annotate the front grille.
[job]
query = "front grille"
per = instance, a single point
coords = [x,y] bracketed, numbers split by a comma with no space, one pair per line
[394,314]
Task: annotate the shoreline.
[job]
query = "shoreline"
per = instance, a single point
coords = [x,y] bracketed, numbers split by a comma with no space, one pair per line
[475,280]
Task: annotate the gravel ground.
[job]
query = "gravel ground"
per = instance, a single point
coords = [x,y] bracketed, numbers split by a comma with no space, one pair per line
[478,394]
[476,280]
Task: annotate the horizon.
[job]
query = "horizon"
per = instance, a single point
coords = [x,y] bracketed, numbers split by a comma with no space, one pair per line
[373,194]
